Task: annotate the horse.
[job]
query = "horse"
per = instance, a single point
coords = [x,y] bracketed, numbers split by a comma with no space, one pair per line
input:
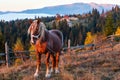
[48,42]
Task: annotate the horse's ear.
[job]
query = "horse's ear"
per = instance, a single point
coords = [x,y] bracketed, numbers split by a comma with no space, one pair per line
[30,21]
[38,21]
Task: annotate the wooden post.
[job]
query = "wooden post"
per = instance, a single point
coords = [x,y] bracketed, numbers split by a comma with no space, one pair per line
[94,44]
[112,38]
[69,46]
[7,54]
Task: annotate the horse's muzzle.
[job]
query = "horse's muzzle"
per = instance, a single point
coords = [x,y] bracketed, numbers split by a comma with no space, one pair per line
[33,40]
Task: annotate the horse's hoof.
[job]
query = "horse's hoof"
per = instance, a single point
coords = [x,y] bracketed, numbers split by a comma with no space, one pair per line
[48,75]
[36,75]
[57,71]
[51,71]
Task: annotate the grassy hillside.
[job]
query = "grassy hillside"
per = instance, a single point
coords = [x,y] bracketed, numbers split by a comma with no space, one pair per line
[100,64]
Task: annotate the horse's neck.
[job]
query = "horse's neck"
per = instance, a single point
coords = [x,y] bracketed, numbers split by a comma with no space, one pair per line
[44,37]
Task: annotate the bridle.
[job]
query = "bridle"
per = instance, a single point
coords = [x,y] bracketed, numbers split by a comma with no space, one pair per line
[40,31]
[36,36]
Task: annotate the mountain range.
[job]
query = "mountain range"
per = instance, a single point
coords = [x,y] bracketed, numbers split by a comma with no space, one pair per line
[75,8]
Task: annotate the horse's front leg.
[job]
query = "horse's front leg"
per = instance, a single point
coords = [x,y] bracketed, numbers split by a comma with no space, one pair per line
[57,62]
[38,56]
[52,57]
[47,65]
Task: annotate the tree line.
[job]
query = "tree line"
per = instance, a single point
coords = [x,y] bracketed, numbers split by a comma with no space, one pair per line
[105,23]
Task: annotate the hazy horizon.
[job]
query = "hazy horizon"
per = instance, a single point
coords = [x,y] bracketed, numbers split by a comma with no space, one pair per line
[14,16]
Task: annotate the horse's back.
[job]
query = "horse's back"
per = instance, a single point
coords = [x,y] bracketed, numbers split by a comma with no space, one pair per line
[57,38]
[58,33]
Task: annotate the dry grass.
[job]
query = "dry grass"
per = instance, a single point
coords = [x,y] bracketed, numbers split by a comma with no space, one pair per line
[100,64]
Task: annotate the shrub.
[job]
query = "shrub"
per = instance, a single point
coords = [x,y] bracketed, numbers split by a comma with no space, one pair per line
[18,62]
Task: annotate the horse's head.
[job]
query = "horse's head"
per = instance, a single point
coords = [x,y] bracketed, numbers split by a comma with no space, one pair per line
[33,28]
[36,30]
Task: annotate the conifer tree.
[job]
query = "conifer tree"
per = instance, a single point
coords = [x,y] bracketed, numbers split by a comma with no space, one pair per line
[1,42]
[109,26]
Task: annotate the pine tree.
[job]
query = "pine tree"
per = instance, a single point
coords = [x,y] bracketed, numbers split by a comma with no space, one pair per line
[109,26]
[1,42]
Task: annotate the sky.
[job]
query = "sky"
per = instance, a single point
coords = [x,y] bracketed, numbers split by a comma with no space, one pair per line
[19,5]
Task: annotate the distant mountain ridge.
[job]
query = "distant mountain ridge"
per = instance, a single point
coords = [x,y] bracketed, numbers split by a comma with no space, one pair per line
[75,8]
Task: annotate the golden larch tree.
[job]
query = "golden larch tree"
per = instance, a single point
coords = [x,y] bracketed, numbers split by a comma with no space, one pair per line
[117,31]
[89,39]
[18,46]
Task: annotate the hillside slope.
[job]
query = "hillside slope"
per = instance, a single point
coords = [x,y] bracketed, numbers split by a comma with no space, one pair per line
[100,64]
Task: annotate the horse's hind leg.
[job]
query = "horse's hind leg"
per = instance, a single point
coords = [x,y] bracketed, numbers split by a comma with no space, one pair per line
[38,56]
[52,57]
[57,62]
[48,74]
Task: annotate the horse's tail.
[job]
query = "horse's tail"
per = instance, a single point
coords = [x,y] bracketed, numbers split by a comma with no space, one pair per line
[61,37]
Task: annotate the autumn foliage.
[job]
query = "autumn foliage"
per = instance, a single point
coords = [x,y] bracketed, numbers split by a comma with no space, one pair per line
[117,31]
[18,46]
[89,39]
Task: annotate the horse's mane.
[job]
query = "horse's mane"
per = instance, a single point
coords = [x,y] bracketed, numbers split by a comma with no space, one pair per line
[42,30]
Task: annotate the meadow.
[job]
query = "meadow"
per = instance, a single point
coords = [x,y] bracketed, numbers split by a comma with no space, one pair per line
[103,63]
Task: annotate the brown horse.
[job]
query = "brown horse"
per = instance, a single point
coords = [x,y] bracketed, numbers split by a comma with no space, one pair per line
[48,42]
